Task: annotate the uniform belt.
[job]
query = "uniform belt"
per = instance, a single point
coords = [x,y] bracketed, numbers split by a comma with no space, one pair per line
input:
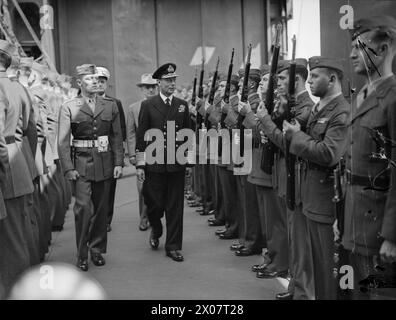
[313,166]
[379,182]
[85,143]
[10,140]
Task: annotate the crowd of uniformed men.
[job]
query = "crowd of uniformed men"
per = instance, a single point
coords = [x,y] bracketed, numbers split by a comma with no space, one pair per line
[51,136]
[309,244]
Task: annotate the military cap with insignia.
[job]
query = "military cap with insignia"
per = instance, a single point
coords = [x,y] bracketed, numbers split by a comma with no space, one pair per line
[234,78]
[324,62]
[381,23]
[265,68]
[103,72]
[254,74]
[283,65]
[301,62]
[165,71]
[85,69]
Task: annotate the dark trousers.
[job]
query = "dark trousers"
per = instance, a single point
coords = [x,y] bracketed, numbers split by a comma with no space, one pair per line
[113,186]
[241,217]
[90,213]
[321,247]
[232,205]
[207,188]
[142,205]
[220,212]
[164,193]
[253,235]
[275,218]
[14,249]
[301,284]
[261,193]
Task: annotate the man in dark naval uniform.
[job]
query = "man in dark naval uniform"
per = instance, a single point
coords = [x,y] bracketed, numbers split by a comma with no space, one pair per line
[163,178]
[97,158]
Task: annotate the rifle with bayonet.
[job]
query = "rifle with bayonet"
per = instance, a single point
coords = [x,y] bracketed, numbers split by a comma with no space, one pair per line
[226,99]
[267,160]
[244,98]
[290,114]
[200,95]
[212,92]
[194,93]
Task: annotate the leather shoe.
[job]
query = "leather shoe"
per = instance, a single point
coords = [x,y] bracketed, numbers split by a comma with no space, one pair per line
[154,243]
[215,223]
[109,228]
[220,231]
[143,226]
[98,259]
[284,296]
[236,246]
[259,267]
[82,264]
[194,204]
[175,255]
[226,236]
[267,274]
[211,219]
[205,213]
[245,252]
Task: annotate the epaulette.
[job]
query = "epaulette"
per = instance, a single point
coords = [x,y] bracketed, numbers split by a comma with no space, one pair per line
[108,99]
[77,101]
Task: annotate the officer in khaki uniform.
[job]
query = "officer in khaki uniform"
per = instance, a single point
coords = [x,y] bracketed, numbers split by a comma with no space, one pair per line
[321,148]
[104,77]
[17,187]
[97,157]
[370,208]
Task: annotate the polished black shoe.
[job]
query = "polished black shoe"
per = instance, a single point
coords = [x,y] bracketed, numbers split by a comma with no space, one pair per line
[190,197]
[109,228]
[194,204]
[200,210]
[220,231]
[215,223]
[212,219]
[154,243]
[236,246]
[245,252]
[97,259]
[82,264]
[226,236]
[205,213]
[259,267]
[175,255]
[267,274]
[143,226]
[284,296]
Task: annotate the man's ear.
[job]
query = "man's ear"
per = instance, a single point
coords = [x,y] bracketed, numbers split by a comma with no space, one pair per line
[78,81]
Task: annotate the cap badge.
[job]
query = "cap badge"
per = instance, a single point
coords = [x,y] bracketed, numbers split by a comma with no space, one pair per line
[171,69]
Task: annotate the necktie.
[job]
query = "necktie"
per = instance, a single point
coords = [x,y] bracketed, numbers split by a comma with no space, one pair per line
[361,96]
[167,101]
[315,109]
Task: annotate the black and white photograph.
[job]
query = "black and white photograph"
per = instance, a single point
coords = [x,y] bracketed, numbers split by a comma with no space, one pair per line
[197,155]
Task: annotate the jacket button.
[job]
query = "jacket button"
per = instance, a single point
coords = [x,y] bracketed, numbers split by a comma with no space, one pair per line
[94,128]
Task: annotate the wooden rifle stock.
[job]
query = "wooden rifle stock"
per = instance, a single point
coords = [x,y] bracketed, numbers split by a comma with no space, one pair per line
[194,93]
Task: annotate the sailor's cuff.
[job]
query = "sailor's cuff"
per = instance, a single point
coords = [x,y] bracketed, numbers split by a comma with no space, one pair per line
[191,157]
[140,159]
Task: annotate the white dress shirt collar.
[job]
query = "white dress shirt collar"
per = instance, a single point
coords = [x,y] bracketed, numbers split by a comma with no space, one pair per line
[164,97]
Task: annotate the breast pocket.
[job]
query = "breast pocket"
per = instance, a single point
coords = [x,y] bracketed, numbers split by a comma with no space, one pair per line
[106,119]
[318,130]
